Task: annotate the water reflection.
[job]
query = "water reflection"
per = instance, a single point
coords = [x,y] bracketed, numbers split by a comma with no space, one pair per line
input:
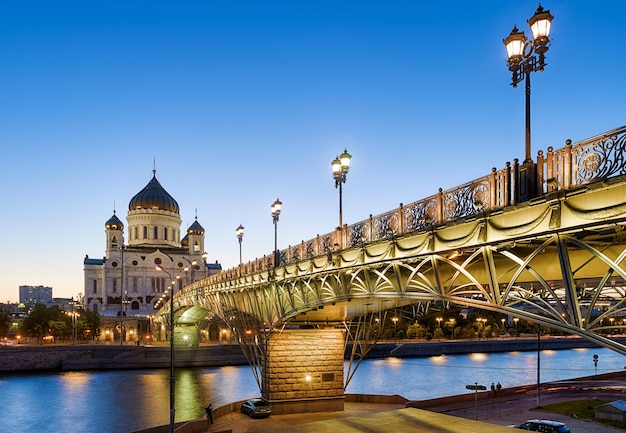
[479,357]
[124,401]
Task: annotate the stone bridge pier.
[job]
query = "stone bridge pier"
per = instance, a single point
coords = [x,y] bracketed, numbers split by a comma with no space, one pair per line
[303,371]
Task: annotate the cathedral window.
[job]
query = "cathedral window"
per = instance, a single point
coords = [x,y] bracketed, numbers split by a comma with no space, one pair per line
[136,233]
[156,233]
[114,288]
[196,247]
[165,233]
[135,283]
[114,242]
[145,232]
[95,286]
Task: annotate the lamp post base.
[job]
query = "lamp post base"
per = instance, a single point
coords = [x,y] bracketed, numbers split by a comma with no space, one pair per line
[525,181]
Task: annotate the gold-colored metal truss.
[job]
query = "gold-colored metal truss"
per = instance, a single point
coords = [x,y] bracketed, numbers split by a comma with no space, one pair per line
[556,261]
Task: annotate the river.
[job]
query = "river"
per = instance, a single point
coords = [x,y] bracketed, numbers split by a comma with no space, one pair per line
[124,401]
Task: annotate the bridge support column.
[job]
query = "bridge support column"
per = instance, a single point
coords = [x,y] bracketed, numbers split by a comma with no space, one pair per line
[304,371]
[186,336]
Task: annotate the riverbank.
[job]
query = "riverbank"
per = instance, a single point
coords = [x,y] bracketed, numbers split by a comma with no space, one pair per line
[102,356]
[109,357]
[459,413]
[413,349]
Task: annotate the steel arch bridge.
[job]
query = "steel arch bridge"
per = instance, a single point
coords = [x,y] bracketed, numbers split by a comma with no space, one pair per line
[556,260]
[567,278]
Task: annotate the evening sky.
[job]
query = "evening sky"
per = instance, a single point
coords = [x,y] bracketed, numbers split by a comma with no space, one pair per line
[237,103]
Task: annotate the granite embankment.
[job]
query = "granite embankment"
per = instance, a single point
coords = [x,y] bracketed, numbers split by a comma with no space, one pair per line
[463,347]
[102,356]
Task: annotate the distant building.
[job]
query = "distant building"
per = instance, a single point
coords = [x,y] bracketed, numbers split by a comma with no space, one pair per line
[126,281]
[31,295]
[64,304]
[615,410]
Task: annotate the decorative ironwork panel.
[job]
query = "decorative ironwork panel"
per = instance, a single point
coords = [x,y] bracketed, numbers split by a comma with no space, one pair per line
[295,256]
[327,243]
[466,200]
[357,235]
[386,225]
[420,215]
[600,159]
[310,250]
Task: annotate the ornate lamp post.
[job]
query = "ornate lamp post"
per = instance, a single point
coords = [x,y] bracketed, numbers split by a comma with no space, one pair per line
[341,166]
[276,207]
[193,265]
[239,231]
[122,298]
[394,319]
[526,56]
[172,393]
[74,316]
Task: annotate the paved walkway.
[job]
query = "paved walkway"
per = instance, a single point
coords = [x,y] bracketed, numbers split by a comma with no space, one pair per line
[492,414]
[356,418]
[513,409]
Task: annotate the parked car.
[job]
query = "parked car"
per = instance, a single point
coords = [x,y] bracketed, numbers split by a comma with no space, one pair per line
[256,408]
[543,426]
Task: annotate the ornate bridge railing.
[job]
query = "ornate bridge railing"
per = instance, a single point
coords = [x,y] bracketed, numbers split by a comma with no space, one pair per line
[597,158]
[587,161]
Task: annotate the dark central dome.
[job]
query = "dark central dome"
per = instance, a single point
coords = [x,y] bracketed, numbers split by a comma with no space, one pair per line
[153,196]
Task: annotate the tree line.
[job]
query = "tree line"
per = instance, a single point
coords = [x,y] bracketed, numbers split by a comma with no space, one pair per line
[43,322]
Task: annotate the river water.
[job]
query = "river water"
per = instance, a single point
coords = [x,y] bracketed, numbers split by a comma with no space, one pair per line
[125,401]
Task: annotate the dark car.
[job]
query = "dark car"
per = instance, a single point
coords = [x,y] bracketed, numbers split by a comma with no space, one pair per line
[256,408]
[543,426]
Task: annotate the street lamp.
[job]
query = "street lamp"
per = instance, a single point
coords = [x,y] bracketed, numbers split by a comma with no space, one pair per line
[341,166]
[122,295]
[74,316]
[395,334]
[276,207]
[172,408]
[124,301]
[526,56]
[193,265]
[239,231]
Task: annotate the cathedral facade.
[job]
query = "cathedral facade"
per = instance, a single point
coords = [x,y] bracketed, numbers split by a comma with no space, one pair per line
[135,274]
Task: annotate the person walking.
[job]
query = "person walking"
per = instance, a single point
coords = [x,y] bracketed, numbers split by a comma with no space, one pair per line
[209,413]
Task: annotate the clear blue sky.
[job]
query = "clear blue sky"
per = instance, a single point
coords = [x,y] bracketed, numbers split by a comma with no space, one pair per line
[243,102]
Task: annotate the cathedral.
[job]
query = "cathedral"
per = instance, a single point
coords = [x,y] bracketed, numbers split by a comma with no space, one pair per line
[131,277]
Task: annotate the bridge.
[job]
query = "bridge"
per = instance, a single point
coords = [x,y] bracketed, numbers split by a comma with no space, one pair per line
[548,248]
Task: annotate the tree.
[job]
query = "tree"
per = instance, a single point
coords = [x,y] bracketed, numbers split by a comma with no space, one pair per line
[59,328]
[36,322]
[4,323]
[89,324]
